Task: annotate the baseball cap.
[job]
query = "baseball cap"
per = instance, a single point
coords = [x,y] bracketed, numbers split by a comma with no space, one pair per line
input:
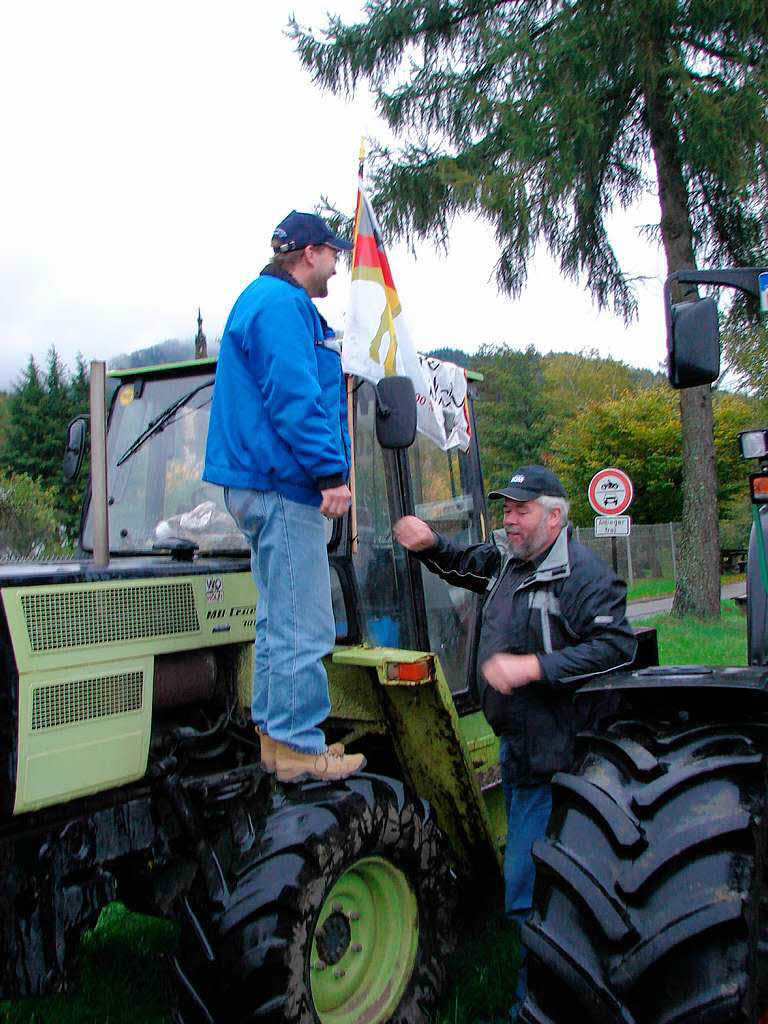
[529,482]
[298,230]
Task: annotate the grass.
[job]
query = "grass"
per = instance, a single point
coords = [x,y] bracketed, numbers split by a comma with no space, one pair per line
[125,977]
[482,972]
[648,589]
[690,641]
[645,590]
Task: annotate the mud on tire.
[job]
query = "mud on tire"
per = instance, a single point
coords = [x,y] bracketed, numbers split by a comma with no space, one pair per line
[295,923]
[650,904]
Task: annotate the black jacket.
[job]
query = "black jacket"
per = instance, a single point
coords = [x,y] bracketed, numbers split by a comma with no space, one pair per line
[570,611]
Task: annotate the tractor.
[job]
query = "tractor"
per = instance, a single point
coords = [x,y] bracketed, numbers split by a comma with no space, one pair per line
[651,901]
[129,768]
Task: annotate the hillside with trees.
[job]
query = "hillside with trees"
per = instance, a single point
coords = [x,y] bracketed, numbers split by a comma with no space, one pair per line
[577,412]
[173,350]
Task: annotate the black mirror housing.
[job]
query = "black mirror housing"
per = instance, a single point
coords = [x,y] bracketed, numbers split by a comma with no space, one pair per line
[694,343]
[395,412]
[75,450]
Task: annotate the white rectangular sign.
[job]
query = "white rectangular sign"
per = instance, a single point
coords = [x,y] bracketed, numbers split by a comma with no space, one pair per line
[611,526]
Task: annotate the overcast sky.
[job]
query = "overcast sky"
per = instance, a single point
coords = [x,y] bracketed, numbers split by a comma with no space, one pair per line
[149,150]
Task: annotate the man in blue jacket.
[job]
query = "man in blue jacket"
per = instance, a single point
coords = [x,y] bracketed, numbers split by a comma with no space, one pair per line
[553,616]
[279,445]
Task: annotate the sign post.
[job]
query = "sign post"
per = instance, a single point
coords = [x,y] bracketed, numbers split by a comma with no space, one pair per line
[610,494]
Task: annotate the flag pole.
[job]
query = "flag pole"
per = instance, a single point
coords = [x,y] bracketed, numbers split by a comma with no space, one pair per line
[350,385]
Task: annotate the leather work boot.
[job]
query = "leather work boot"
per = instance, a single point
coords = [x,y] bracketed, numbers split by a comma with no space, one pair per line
[269,750]
[293,766]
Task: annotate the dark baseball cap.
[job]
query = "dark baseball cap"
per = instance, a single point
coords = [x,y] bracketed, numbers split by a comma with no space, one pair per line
[298,230]
[530,482]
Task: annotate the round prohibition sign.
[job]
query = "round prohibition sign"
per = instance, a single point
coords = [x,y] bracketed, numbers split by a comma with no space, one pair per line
[610,492]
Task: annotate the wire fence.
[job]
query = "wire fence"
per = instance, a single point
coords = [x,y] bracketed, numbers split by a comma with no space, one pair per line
[649,552]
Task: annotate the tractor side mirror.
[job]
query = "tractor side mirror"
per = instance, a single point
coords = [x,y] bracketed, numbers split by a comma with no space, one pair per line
[75,450]
[694,343]
[395,412]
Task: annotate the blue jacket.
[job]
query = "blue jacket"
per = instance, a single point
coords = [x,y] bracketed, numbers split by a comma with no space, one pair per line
[279,415]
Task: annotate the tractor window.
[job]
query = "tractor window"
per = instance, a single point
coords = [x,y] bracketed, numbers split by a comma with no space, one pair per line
[446,487]
[380,565]
[157,492]
[339,608]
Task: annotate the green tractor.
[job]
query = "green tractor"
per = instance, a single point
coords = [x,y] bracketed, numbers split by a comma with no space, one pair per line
[651,903]
[129,771]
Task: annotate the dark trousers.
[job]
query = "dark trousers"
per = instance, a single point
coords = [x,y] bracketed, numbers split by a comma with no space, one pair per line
[528,811]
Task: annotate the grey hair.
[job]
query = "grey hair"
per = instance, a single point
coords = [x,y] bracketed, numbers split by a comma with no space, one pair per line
[550,501]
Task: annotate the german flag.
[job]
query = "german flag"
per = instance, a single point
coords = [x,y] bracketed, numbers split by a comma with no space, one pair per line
[370,263]
[377,342]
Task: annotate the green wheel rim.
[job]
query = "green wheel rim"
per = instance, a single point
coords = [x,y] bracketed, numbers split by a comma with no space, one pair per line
[364,944]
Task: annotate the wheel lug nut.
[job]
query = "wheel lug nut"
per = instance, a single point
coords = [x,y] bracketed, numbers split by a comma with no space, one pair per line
[354,916]
[338,973]
[357,948]
[319,966]
[337,908]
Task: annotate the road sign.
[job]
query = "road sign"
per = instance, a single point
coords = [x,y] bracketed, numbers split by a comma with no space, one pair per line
[610,492]
[762,280]
[612,526]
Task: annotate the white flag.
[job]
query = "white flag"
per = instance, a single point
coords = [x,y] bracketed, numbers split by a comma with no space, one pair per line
[377,342]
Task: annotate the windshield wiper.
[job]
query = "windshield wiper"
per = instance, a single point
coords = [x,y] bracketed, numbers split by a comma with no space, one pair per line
[160,421]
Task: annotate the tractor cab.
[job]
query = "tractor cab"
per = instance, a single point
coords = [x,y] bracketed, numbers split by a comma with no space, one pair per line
[159,506]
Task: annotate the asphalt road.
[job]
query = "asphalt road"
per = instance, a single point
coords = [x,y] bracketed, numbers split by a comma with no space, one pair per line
[644,609]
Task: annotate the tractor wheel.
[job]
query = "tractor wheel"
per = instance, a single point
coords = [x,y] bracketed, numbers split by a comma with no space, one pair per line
[650,904]
[339,912]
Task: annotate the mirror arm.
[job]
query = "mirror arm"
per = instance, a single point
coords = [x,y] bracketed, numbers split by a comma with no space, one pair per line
[384,410]
[745,279]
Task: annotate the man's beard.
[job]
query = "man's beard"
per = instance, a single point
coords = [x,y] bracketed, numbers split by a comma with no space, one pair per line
[532,545]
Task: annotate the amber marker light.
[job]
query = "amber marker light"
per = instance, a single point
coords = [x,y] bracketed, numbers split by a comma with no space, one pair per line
[411,671]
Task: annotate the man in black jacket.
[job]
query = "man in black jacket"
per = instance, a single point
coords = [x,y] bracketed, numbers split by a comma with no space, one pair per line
[553,617]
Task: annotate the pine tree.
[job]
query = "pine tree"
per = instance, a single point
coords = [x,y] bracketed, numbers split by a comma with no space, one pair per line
[70,495]
[38,411]
[79,388]
[20,452]
[55,414]
[541,116]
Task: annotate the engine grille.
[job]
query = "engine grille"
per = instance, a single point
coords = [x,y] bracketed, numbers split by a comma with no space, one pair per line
[79,618]
[81,700]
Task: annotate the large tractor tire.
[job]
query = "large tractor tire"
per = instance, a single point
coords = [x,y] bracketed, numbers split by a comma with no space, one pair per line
[338,912]
[650,903]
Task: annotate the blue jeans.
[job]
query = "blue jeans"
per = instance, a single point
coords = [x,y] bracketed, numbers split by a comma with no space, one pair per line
[528,811]
[294,615]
